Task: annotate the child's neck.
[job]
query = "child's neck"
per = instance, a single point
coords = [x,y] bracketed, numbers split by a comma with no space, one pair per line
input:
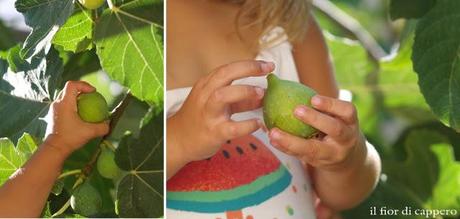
[201,36]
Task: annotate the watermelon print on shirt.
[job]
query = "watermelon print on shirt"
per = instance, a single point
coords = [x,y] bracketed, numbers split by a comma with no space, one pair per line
[243,173]
[235,184]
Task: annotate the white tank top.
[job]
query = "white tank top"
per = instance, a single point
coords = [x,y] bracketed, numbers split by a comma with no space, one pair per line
[247,178]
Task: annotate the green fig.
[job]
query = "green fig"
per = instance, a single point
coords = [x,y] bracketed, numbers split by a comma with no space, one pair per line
[92,4]
[92,107]
[106,165]
[86,200]
[280,101]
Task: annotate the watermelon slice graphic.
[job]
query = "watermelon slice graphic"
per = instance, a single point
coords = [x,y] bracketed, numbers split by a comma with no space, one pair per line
[243,173]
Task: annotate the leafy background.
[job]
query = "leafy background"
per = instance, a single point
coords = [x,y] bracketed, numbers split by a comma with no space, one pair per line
[400,61]
[116,48]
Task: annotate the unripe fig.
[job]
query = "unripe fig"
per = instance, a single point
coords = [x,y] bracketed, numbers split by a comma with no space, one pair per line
[106,165]
[92,107]
[86,200]
[92,4]
[280,101]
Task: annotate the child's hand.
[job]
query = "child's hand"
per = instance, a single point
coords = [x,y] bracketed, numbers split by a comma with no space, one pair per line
[343,140]
[66,131]
[203,123]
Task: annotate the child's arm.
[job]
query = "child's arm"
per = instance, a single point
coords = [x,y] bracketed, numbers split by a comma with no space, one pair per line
[26,192]
[345,167]
[203,123]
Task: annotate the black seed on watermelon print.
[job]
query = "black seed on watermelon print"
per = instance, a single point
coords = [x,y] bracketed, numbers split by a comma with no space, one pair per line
[226,154]
[239,150]
[253,146]
[228,141]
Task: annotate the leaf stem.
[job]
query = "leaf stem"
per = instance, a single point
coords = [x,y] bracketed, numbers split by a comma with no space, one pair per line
[69,173]
[109,145]
[67,204]
[352,26]
[62,209]
[111,5]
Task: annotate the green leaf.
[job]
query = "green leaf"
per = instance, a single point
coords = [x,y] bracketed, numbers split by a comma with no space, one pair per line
[26,96]
[398,81]
[352,67]
[402,96]
[6,37]
[80,64]
[445,195]
[436,57]
[15,62]
[130,47]
[429,172]
[426,178]
[388,194]
[77,33]
[410,8]
[44,17]
[12,158]
[57,187]
[140,192]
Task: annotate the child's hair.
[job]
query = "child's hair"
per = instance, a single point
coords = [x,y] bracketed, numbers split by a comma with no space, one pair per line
[292,15]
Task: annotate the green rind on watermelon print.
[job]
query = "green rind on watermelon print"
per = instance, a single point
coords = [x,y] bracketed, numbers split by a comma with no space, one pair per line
[258,191]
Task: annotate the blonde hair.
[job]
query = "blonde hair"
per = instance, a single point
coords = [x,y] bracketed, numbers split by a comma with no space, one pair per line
[291,15]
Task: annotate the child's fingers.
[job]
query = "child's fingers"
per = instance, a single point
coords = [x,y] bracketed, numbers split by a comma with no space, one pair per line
[342,109]
[232,129]
[60,95]
[246,105]
[225,75]
[312,149]
[323,122]
[73,88]
[222,97]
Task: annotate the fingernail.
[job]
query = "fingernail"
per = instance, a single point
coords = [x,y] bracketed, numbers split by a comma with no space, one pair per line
[260,92]
[316,100]
[267,66]
[300,111]
[275,134]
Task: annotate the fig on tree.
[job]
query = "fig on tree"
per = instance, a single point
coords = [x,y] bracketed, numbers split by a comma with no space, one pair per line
[92,4]
[106,165]
[92,107]
[280,101]
[86,200]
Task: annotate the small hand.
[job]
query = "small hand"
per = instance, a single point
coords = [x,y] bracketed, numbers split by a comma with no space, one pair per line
[66,131]
[335,118]
[203,123]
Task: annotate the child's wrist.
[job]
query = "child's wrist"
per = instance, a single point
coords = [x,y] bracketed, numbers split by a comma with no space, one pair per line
[178,151]
[54,142]
[354,161]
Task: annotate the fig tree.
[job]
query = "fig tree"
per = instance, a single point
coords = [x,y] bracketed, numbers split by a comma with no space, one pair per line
[92,107]
[280,101]
[106,165]
[86,200]
[91,4]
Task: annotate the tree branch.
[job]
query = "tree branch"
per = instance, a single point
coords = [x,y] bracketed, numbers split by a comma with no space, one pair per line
[352,26]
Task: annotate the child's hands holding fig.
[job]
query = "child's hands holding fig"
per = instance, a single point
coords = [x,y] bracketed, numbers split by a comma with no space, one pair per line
[335,118]
[66,130]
